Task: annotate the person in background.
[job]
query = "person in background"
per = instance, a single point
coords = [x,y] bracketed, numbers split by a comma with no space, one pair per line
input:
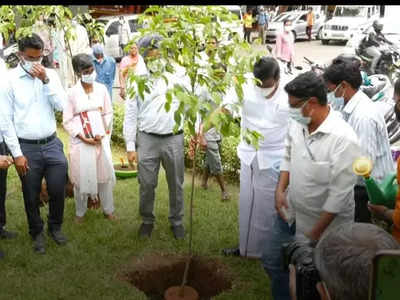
[284,48]
[105,67]
[134,62]
[310,22]
[380,211]
[28,104]
[87,119]
[343,80]
[123,34]
[262,23]
[248,25]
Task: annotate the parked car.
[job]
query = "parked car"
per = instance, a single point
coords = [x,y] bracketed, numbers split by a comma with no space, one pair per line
[111,36]
[391,30]
[347,21]
[299,22]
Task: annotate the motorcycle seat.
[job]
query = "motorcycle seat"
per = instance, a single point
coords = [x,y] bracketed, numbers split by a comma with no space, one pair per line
[371,90]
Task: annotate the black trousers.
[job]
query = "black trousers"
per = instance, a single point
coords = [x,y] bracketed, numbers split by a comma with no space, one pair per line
[361,199]
[46,161]
[3,188]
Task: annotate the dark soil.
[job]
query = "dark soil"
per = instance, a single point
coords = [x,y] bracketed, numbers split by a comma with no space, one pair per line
[125,167]
[155,273]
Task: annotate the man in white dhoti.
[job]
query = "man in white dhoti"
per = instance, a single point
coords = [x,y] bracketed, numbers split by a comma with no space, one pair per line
[87,118]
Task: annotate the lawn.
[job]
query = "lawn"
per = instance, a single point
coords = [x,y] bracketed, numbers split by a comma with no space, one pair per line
[86,267]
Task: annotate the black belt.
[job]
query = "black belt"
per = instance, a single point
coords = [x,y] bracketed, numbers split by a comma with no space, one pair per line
[39,142]
[164,135]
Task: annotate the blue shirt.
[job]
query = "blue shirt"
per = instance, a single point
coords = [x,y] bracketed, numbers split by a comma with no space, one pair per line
[105,72]
[262,18]
[27,107]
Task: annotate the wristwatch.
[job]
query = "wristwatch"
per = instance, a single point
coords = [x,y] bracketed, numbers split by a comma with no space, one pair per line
[46,80]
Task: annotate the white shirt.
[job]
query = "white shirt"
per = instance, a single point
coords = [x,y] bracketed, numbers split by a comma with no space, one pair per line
[269,117]
[369,124]
[320,171]
[149,114]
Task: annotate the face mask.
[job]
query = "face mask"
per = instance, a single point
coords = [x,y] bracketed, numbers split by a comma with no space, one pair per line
[267,91]
[156,66]
[397,112]
[28,65]
[89,78]
[99,60]
[297,115]
[336,102]
[288,28]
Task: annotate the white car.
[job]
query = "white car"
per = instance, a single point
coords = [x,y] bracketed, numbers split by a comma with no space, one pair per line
[111,34]
[391,30]
[347,21]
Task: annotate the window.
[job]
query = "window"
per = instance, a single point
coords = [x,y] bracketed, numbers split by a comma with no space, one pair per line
[112,29]
[303,18]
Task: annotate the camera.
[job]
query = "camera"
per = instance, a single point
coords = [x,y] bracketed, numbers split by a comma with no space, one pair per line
[300,255]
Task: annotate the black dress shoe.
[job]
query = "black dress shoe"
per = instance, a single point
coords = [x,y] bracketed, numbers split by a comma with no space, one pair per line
[145,230]
[231,251]
[39,243]
[4,234]
[58,237]
[178,231]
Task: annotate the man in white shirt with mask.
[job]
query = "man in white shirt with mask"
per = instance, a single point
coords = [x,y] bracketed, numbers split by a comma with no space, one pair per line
[315,189]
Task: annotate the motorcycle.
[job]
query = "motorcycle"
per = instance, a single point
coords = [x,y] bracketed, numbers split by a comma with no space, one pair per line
[388,64]
[10,55]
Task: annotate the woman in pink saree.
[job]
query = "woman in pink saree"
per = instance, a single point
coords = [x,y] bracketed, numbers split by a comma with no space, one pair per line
[87,118]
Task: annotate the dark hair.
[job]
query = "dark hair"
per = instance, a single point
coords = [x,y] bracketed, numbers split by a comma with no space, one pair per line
[34,42]
[348,58]
[343,70]
[307,85]
[149,42]
[81,62]
[397,87]
[266,68]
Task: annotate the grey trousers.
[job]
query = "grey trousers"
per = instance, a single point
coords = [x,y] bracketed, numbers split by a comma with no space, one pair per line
[153,150]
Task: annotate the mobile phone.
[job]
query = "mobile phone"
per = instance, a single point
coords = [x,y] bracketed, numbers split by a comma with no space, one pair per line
[385,276]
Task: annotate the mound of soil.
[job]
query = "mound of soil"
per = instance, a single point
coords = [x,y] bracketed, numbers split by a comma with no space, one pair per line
[155,273]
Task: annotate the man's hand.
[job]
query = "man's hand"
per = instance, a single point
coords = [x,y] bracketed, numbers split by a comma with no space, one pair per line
[380,211]
[38,71]
[98,138]
[281,204]
[21,164]
[5,161]
[131,155]
[122,93]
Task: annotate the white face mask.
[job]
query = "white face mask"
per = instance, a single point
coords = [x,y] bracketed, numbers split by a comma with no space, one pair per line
[336,102]
[89,79]
[288,28]
[297,115]
[28,65]
[267,91]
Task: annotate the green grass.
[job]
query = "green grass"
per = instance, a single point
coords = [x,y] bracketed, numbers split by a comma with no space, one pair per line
[86,267]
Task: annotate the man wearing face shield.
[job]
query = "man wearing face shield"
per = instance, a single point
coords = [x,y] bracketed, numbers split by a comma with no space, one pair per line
[28,103]
[343,80]
[105,67]
[149,130]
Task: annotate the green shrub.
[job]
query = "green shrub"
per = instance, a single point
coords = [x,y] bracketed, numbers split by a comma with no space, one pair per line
[118,122]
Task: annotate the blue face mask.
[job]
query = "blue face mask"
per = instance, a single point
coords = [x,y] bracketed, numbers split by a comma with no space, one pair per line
[337,103]
[297,115]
